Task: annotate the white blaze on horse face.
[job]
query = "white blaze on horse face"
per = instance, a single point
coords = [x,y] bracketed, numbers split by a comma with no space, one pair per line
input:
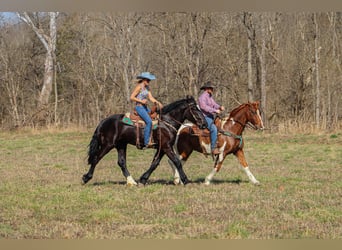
[261,123]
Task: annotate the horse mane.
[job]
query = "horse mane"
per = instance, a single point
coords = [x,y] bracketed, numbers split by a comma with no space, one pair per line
[166,109]
[237,109]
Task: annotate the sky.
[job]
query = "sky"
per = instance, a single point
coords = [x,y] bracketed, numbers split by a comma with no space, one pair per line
[9,15]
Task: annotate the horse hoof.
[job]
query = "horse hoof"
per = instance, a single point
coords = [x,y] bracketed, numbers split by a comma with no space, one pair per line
[130,181]
[176,182]
[142,181]
[185,182]
[85,179]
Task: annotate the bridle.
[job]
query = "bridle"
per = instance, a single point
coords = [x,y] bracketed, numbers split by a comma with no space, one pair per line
[248,124]
[192,113]
[189,107]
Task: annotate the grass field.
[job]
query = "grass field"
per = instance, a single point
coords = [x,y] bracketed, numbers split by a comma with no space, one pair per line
[42,196]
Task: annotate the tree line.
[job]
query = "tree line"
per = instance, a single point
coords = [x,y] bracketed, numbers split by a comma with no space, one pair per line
[77,68]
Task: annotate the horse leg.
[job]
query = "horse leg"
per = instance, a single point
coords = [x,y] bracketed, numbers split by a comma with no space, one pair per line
[176,177]
[95,160]
[241,157]
[176,162]
[122,163]
[182,157]
[156,160]
[217,166]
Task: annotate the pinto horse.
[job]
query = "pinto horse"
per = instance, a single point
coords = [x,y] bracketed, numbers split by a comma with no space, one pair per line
[229,141]
[112,132]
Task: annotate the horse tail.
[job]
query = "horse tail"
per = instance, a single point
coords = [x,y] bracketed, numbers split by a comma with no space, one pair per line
[94,147]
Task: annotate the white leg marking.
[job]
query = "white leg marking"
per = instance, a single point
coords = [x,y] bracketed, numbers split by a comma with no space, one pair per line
[251,176]
[210,177]
[206,147]
[221,149]
[176,177]
[130,181]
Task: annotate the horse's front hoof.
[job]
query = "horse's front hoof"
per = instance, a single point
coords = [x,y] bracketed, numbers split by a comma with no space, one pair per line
[130,181]
[185,182]
[142,181]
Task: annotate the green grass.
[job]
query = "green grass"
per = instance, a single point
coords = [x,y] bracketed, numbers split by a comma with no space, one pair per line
[42,196]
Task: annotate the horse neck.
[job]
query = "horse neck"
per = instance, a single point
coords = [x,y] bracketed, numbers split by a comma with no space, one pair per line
[236,123]
[175,118]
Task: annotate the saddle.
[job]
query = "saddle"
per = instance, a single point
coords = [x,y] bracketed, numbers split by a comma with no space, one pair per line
[133,119]
[196,131]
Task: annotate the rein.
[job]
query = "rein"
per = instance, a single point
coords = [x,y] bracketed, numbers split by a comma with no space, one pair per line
[170,126]
[178,122]
[248,124]
[238,137]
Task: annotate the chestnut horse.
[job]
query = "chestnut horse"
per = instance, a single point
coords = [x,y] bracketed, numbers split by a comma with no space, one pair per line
[229,141]
[112,132]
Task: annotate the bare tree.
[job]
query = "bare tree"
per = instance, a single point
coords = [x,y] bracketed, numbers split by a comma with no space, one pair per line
[48,39]
[289,61]
[251,43]
[318,92]
[263,63]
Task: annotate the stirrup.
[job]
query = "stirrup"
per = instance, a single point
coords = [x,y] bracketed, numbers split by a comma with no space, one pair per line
[215,151]
[150,145]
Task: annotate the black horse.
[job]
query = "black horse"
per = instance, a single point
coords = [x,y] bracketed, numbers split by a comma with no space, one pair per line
[112,132]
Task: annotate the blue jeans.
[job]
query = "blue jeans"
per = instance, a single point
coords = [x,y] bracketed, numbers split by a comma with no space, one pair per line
[143,113]
[213,131]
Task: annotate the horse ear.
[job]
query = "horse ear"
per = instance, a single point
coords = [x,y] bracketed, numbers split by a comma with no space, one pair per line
[256,104]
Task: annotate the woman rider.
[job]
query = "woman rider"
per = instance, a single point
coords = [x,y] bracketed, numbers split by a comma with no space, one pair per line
[140,95]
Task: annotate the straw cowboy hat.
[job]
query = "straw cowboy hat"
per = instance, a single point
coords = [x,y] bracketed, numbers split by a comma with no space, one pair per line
[146,75]
[208,85]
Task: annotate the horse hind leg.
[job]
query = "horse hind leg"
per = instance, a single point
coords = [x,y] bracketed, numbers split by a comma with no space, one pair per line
[98,148]
[183,158]
[176,176]
[94,159]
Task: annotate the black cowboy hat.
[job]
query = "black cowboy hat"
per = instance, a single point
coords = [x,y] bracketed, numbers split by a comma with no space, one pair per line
[208,85]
